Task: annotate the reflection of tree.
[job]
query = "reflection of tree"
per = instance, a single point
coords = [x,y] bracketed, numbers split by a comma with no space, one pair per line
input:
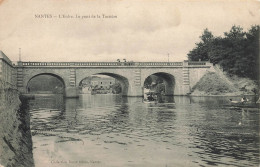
[52,102]
[160,87]
[119,119]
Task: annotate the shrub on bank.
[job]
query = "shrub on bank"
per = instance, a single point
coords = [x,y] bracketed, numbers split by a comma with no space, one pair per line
[212,84]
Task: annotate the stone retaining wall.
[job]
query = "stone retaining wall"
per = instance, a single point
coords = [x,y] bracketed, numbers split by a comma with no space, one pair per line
[15,135]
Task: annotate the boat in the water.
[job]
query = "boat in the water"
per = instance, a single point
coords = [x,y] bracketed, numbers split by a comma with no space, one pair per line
[243,104]
[150,97]
[149,102]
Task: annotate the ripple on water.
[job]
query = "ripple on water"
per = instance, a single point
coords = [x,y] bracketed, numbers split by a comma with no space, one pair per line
[190,130]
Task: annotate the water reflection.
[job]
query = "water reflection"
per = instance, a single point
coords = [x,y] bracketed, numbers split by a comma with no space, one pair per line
[110,130]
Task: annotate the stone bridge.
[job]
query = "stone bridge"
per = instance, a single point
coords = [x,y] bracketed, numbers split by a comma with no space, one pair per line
[179,77]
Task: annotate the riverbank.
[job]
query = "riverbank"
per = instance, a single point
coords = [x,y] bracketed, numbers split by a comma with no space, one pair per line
[211,84]
[15,135]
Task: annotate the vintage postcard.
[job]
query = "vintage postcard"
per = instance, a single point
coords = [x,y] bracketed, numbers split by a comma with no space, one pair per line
[93,83]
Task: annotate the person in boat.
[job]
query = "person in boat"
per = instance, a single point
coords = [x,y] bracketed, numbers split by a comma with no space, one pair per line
[244,99]
[150,98]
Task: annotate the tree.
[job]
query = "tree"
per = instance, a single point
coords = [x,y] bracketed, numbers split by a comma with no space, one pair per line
[160,88]
[148,82]
[252,51]
[236,52]
[116,88]
[201,51]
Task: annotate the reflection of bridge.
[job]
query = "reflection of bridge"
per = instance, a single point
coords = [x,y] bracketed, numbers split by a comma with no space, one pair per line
[179,77]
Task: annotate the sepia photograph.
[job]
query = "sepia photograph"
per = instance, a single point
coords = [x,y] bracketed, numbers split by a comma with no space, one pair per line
[129,83]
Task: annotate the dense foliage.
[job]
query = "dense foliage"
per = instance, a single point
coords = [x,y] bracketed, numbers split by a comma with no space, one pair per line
[116,88]
[155,83]
[237,52]
[45,83]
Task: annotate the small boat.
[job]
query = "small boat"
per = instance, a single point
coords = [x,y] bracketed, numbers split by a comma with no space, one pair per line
[149,102]
[234,102]
[150,97]
[242,104]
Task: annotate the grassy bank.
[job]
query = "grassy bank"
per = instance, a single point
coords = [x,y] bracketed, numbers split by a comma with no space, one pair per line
[213,84]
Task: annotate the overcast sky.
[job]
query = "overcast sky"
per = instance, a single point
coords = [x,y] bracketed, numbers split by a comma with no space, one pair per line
[142,31]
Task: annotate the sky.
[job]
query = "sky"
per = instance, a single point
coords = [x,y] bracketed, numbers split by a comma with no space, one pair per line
[143,30]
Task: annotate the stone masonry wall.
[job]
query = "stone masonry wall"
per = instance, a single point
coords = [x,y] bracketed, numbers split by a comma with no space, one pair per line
[15,135]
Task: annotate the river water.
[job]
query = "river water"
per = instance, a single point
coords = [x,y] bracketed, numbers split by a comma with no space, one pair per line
[115,131]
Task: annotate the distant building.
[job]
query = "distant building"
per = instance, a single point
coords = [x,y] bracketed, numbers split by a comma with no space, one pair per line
[98,84]
[104,83]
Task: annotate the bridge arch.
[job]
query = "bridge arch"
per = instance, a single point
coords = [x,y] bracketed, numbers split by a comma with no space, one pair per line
[49,74]
[168,79]
[122,80]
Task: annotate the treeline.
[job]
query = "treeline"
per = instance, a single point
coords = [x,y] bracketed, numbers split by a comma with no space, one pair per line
[45,83]
[237,52]
[154,83]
